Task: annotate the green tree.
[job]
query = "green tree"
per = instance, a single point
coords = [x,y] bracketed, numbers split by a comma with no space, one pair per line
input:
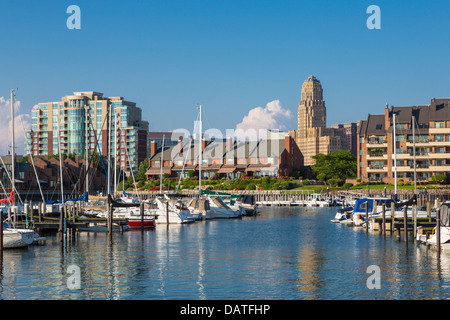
[439,178]
[143,166]
[190,173]
[336,165]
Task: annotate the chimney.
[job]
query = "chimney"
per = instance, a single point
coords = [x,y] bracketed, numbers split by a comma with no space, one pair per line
[152,148]
[287,143]
[229,144]
[387,122]
[203,145]
[180,145]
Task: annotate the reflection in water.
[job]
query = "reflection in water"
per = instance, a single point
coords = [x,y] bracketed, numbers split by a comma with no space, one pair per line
[284,253]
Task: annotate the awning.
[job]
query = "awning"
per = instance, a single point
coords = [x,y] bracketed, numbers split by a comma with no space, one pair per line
[273,168]
[254,168]
[186,169]
[227,169]
[153,171]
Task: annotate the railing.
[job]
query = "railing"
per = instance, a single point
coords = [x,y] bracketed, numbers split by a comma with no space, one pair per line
[376,154]
[420,166]
[376,166]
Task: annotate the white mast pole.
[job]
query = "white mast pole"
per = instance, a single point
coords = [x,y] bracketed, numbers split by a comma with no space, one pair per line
[13,159]
[115,150]
[60,161]
[161,165]
[200,154]
[414,153]
[109,151]
[395,157]
[87,141]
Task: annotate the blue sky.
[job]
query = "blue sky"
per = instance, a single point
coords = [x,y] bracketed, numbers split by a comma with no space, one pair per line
[230,56]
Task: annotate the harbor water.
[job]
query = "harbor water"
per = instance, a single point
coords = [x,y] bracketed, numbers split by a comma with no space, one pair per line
[283,253]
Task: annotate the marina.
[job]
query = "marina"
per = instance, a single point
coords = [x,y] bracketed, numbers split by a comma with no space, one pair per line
[239,259]
[235,151]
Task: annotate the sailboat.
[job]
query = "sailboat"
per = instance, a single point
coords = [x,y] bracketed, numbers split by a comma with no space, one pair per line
[15,237]
[444,229]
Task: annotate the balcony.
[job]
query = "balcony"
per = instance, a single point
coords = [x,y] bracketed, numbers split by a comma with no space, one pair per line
[440,168]
[377,144]
[439,155]
[439,130]
[377,168]
[421,165]
[377,155]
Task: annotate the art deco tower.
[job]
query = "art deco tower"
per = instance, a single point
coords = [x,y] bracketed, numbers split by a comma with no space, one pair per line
[312,136]
[311,110]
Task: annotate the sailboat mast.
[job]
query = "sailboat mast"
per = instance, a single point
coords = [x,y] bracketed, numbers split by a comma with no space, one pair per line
[13,158]
[200,141]
[60,161]
[161,165]
[108,192]
[115,150]
[414,153]
[395,157]
[87,142]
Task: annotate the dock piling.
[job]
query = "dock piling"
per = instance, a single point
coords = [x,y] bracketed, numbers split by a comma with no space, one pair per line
[405,223]
[392,216]
[367,217]
[61,223]
[438,232]
[141,211]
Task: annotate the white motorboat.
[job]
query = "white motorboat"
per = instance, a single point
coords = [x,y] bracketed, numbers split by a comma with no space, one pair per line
[318,200]
[444,228]
[344,216]
[171,211]
[248,202]
[17,238]
[200,207]
[219,210]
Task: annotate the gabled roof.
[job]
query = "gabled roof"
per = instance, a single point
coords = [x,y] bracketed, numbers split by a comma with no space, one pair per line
[268,148]
[375,125]
[242,149]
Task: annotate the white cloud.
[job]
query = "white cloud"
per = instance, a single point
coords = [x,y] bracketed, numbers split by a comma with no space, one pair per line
[254,126]
[21,123]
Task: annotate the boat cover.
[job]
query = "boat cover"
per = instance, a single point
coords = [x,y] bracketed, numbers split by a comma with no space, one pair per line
[84,198]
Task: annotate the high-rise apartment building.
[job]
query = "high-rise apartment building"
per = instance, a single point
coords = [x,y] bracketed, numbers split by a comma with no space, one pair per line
[381,154]
[312,135]
[85,124]
[351,131]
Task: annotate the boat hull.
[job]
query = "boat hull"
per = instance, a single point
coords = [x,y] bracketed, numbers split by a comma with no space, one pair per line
[17,238]
[137,223]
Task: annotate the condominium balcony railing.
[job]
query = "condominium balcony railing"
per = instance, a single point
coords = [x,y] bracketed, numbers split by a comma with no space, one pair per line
[376,154]
[376,166]
[420,165]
